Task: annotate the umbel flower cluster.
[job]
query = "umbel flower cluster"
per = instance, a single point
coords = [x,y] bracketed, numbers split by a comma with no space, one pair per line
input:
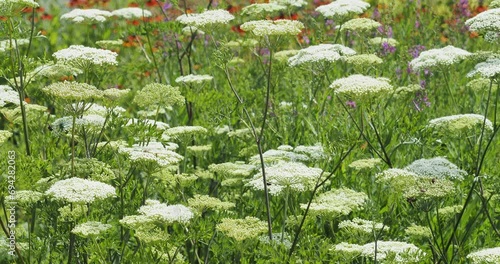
[83,57]
[293,175]
[273,28]
[76,190]
[320,53]
[341,9]
[206,19]
[359,86]
[433,58]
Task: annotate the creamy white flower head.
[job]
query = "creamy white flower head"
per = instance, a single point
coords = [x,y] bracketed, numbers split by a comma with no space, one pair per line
[207,19]
[360,25]
[437,167]
[91,123]
[290,3]
[189,30]
[486,21]
[460,123]
[485,256]
[202,202]
[315,152]
[154,152]
[361,225]
[4,135]
[365,164]
[8,96]
[417,231]
[273,27]
[10,7]
[360,86]
[320,53]
[275,155]
[72,91]
[262,10]
[8,44]
[446,56]
[241,229]
[157,94]
[399,252]
[76,190]
[166,213]
[379,41]
[293,175]
[488,69]
[342,8]
[131,13]
[82,57]
[337,202]
[55,71]
[284,55]
[192,78]
[90,229]
[229,169]
[348,249]
[495,4]
[86,16]
[364,60]
[25,197]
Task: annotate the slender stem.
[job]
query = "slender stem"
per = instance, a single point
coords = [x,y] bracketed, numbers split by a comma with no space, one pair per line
[21,85]
[151,49]
[284,214]
[379,139]
[73,145]
[259,147]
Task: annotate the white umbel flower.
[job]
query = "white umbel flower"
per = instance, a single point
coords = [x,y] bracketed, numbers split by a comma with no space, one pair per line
[76,190]
[290,3]
[86,16]
[12,44]
[446,56]
[192,78]
[154,152]
[361,225]
[4,136]
[342,8]
[271,28]
[82,57]
[262,9]
[320,53]
[337,202]
[487,21]
[437,167]
[131,13]
[10,7]
[90,229]
[360,86]
[8,95]
[206,19]
[460,123]
[485,256]
[360,25]
[72,91]
[293,175]
[166,213]
[400,252]
[487,69]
